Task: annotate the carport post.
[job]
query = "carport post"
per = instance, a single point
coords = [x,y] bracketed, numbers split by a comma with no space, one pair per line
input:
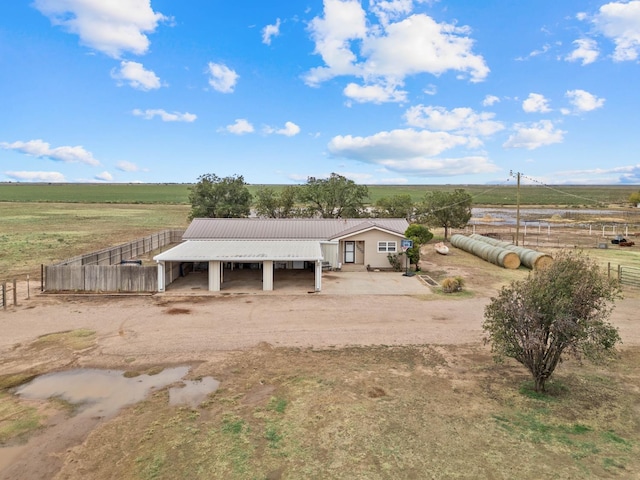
[214,276]
[267,275]
[318,275]
[161,276]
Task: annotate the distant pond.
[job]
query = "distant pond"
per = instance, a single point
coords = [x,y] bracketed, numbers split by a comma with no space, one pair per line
[555,216]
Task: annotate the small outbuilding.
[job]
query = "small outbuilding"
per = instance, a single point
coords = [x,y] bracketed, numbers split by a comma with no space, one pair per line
[220,244]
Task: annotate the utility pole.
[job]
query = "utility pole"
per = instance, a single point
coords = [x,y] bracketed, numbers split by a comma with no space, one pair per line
[517,208]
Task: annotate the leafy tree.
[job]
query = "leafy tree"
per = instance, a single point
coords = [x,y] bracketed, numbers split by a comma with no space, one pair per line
[420,235]
[397,206]
[273,204]
[215,197]
[563,308]
[445,209]
[634,198]
[334,197]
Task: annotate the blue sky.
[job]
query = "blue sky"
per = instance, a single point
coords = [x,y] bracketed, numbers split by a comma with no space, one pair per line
[380,91]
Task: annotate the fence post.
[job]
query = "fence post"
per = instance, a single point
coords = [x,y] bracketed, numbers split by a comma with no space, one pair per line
[41,277]
[619,273]
[608,269]
[15,293]
[4,295]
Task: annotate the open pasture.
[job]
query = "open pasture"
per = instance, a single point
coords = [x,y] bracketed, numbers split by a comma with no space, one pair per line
[170,193]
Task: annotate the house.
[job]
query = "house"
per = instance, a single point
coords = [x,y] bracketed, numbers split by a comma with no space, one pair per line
[222,244]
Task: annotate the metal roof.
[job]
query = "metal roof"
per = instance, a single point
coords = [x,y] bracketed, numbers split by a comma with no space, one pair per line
[288,228]
[242,251]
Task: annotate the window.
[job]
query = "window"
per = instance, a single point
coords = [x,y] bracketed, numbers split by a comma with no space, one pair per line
[387,247]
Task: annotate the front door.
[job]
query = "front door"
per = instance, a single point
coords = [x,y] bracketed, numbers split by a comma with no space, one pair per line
[349,252]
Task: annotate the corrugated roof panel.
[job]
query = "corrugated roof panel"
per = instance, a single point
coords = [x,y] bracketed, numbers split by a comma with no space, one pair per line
[286,228]
[242,251]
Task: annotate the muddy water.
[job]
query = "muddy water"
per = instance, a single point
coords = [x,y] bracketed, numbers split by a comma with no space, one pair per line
[97,395]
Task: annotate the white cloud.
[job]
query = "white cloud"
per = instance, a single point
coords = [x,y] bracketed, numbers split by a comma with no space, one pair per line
[411,151]
[104,177]
[629,174]
[586,51]
[383,55]
[536,135]
[374,93]
[112,27]
[270,31]
[536,103]
[125,166]
[23,176]
[490,100]
[584,101]
[136,76]
[240,127]
[222,78]
[290,130]
[165,116]
[459,120]
[620,22]
[41,149]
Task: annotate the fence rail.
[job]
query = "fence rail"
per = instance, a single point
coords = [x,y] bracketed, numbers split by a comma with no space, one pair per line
[103,271]
[629,276]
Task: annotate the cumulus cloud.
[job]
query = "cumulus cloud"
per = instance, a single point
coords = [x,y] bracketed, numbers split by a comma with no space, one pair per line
[463,121]
[270,31]
[290,130]
[374,93]
[536,103]
[41,149]
[165,116]
[136,76]
[222,78]
[629,174]
[490,100]
[23,176]
[383,54]
[103,177]
[586,51]
[411,151]
[240,127]
[125,166]
[110,27]
[536,135]
[620,22]
[584,101]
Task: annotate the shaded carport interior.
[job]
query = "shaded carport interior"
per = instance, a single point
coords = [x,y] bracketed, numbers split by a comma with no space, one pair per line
[219,255]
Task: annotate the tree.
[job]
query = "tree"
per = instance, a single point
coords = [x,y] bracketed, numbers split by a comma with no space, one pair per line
[397,206]
[215,197]
[334,197]
[273,204]
[445,209]
[420,235]
[563,308]
[634,198]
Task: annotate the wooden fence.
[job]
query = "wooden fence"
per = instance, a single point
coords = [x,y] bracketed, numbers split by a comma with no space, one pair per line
[102,271]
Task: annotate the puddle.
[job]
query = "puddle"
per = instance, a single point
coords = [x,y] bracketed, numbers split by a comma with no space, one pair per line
[104,392]
[193,392]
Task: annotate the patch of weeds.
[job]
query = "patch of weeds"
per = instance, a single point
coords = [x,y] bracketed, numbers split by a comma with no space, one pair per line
[278,405]
[17,420]
[272,436]
[233,426]
[553,389]
[15,380]
[151,466]
[74,339]
[611,437]
[610,463]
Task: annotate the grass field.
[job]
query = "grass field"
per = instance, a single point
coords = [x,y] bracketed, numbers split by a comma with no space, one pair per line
[42,233]
[589,196]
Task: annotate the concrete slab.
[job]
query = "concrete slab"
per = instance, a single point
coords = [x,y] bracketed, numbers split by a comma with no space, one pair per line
[299,282]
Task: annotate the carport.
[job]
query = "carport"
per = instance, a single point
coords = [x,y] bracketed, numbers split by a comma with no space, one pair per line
[270,254]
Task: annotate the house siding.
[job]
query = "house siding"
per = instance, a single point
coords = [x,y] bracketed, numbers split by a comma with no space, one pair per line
[367,248]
